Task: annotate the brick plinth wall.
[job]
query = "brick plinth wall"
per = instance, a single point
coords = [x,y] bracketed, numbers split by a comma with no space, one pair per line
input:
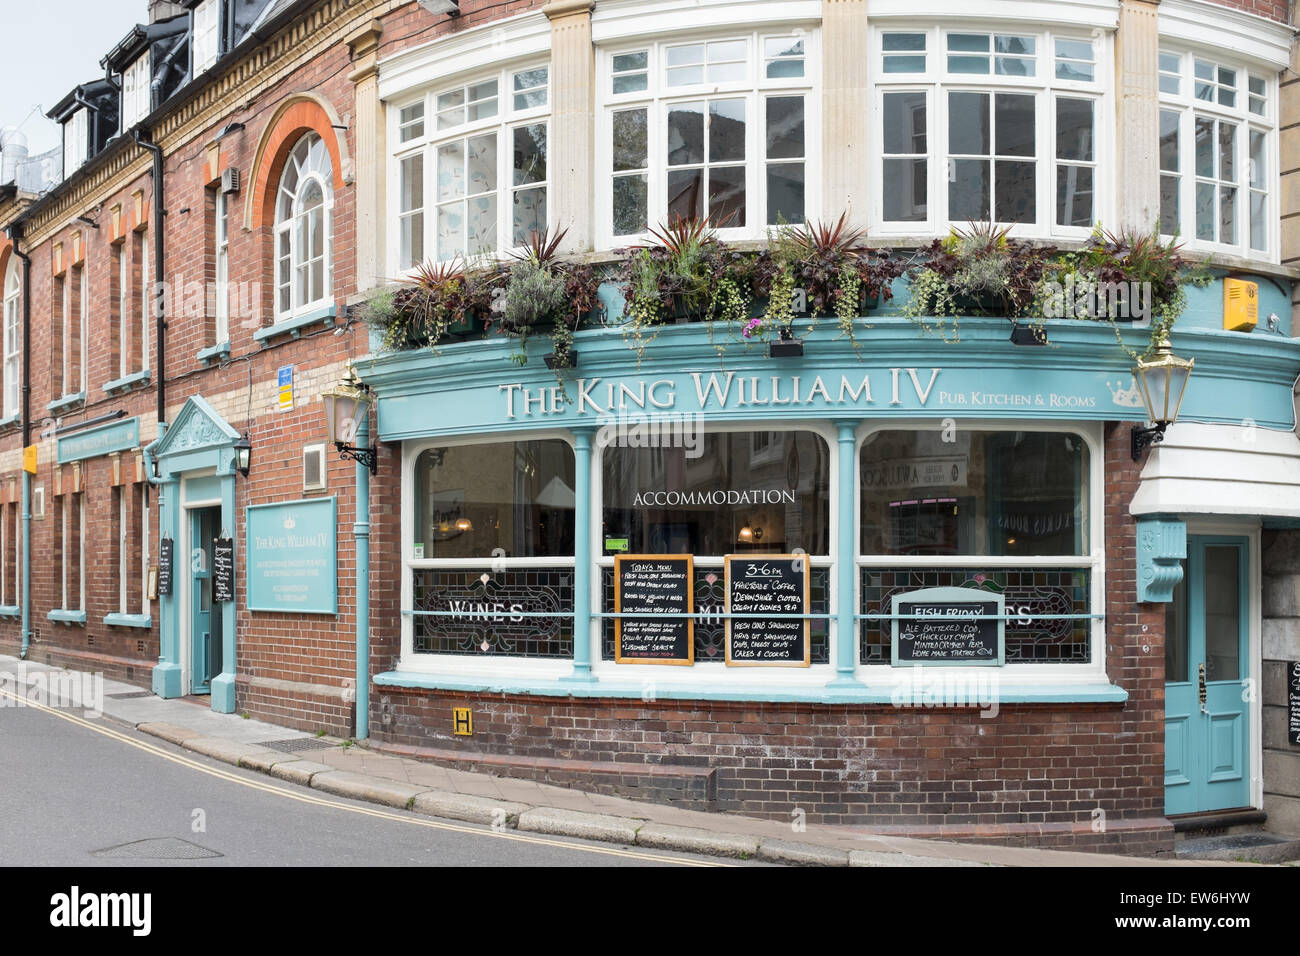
[1083,776]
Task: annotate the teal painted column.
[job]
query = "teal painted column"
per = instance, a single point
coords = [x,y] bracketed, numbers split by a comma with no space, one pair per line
[361,536]
[583,507]
[846,630]
[27,564]
[167,675]
[223,685]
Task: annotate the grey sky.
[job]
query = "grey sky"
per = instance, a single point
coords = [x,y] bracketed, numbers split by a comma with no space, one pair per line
[49,46]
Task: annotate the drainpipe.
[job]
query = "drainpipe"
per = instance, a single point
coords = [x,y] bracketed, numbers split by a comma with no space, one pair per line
[159,213]
[361,536]
[26,425]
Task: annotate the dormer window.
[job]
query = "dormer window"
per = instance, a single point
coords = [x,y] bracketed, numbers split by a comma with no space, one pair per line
[207,18]
[135,92]
[74,142]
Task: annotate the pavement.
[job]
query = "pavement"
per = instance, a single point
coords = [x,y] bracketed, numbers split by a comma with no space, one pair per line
[348,769]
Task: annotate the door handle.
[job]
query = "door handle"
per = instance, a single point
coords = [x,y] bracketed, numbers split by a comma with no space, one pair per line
[1200,686]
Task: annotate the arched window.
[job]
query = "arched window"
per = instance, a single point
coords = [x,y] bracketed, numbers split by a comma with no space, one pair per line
[304,230]
[12,325]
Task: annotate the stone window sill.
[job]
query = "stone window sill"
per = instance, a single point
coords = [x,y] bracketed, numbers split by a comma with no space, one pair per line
[128,620]
[213,353]
[128,382]
[10,610]
[66,402]
[63,616]
[294,327]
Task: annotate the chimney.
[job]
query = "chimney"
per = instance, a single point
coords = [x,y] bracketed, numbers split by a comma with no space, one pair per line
[164,10]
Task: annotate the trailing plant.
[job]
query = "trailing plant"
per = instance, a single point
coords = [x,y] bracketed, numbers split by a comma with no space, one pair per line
[1122,277]
[676,274]
[981,270]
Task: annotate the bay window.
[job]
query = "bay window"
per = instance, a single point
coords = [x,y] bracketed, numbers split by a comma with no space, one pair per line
[710,128]
[978,126]
[1217,153]
[471,167]
[1007,512]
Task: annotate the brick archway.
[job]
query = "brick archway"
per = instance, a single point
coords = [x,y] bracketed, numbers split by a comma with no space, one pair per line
[299,114]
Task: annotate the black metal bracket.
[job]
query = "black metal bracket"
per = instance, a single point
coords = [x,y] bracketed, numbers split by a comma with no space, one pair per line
[1143,438]
[362,456]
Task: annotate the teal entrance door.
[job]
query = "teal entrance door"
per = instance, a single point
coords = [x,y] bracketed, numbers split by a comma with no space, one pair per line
[205,614]
[1207,715]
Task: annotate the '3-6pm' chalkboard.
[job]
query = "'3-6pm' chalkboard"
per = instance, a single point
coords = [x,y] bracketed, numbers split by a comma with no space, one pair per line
[949,626]
[761,585]
[654,585]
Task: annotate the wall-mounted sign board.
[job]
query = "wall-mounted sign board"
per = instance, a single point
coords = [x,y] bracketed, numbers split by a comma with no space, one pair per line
[165,550]
[767,584]
[949,626]
[223,570]
[105,439]
[654,585]
[291,558]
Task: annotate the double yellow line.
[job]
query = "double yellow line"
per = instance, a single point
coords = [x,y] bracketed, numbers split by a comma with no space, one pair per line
[406,818]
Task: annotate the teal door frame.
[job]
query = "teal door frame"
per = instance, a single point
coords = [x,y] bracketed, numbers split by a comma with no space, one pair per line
[1210,720]
[200,442]
[205,614]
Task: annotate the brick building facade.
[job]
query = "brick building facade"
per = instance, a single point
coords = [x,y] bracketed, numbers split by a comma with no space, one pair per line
[284,152]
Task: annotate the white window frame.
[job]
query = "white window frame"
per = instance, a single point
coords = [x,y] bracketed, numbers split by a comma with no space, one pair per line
[4,554]
[75,141]
[83,319]
[1189,108]
[12,369]
[1010,675]
[937,82]
[221,240]
[65,348]
[755,89]
[551,667]
[136,80]
[123,547]
[507,119]
[146,300]
[123,307]
[325,179]
[206,31]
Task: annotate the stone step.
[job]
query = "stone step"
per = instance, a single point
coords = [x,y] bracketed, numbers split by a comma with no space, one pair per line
[1241,847]
[1195,826]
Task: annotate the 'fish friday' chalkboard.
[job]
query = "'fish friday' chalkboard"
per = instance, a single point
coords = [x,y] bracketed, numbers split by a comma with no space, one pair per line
[775,584]
[952,626]
[655,585]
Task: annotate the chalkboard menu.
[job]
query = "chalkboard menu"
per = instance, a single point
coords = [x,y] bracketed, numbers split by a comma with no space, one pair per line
[654,585]
[761,584]
[950,626]
[1293,702]
[165,566]
[223,570]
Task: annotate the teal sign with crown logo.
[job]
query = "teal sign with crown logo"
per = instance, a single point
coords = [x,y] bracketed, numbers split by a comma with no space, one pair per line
[292,553]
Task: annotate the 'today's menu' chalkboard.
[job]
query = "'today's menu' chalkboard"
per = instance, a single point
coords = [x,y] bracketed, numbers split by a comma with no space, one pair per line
[165,566]
[952,626]
[1293,702]
[767,584]
[654,585]
[223,570]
